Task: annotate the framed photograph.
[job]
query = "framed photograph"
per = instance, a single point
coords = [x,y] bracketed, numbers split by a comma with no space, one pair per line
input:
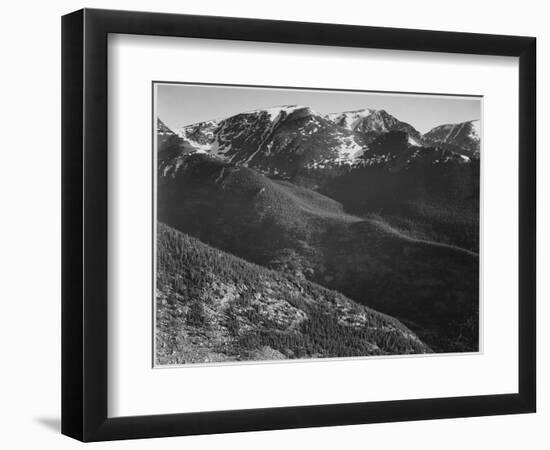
[274,225]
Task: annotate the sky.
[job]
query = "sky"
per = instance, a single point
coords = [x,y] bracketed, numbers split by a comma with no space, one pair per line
[184,104]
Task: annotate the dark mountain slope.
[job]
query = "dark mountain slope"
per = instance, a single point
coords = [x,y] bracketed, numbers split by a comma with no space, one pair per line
[431,287]
[431,192]
[212,306]
[277,224]
[435,204]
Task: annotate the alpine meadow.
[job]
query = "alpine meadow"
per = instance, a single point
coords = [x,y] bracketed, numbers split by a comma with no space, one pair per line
[316,230]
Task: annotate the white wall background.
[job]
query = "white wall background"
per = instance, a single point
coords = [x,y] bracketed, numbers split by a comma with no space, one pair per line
[30,229]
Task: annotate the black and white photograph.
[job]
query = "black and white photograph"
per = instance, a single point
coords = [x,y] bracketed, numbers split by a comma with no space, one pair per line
[303,223]
[275,225]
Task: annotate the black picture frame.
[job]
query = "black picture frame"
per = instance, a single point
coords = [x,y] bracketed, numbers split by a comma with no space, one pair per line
[84,224]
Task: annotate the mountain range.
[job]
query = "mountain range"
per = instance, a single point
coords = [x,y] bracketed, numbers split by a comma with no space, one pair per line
[359,203]
[282,140]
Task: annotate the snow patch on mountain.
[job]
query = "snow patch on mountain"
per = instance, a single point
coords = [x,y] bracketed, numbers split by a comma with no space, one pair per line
[275,111]
[475,132]
[349,119]
[199,136]
[348,150]
[413,141]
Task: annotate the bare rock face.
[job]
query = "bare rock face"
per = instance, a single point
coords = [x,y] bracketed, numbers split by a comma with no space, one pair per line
[371,123]
[463,137]
[278,141]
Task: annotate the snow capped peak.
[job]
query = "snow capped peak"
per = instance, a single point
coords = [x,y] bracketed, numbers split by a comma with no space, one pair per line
[362,112]
[275,111]
[475,131]
[199,135]
[186,129]
[465,135]
[349,119]
[454,128]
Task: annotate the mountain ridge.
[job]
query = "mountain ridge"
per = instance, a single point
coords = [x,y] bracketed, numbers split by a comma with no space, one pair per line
[464,135]
[282,139]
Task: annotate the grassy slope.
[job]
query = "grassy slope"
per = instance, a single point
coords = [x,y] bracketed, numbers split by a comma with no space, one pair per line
[432,288]
[213,306]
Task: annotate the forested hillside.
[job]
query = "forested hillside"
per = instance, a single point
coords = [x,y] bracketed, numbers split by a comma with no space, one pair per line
[213,306]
